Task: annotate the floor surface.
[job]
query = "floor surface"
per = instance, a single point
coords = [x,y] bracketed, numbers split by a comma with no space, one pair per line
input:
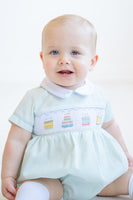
[96,198]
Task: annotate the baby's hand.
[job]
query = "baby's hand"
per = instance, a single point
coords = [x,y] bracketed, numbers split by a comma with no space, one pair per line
[9,188]
[130,159]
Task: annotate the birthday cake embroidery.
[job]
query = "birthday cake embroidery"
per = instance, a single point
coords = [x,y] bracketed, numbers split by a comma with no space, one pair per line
[85,121]
[98,119]
[67,122]
[48,124]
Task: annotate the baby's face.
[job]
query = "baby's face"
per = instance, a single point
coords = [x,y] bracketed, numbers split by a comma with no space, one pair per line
[66,55]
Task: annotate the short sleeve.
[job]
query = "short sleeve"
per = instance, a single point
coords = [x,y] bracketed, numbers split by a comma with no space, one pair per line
[24,113]
[109,113]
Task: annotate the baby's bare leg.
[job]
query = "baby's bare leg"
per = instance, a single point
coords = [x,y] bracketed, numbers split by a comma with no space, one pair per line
[119,186]
[54,187]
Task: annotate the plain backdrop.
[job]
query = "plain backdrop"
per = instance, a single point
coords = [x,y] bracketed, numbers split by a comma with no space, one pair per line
[22,21]
[21,24]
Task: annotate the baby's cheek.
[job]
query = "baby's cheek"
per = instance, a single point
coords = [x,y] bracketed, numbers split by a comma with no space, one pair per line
[50,65]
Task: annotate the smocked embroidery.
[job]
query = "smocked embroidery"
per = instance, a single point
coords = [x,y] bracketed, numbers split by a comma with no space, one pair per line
[68,119]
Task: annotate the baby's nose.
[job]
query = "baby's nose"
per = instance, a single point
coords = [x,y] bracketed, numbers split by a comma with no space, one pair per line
[64,60]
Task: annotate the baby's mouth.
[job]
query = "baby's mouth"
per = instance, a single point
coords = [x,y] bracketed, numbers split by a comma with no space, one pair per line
[65,72]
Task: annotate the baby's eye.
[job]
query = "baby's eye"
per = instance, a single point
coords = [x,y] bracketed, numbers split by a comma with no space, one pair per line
[75,53]
[54,52]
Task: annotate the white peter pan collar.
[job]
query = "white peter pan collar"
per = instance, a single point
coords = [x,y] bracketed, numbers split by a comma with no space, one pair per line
[61,92]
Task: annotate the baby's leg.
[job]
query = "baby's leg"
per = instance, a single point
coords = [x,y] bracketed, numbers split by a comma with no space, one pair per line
[54,187]
[32,190]
[41,189]
[119,187]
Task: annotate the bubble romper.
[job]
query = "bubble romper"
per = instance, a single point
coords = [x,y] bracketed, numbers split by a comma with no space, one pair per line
[68,142]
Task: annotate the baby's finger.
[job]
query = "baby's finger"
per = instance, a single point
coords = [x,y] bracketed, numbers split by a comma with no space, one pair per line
[8,195]
[12,189]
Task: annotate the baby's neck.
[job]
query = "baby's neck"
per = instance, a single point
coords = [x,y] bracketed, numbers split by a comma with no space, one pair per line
[73,87]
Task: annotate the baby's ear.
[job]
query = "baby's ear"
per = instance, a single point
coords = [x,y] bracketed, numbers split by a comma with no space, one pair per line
[42,59]
[41,55]
[93,63]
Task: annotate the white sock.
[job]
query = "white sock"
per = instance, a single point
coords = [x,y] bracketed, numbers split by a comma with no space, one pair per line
[32,191]
[130,187]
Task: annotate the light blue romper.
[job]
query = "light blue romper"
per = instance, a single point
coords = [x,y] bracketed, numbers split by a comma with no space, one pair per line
[68,142]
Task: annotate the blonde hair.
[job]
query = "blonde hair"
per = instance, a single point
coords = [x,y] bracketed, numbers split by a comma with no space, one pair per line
[74,19]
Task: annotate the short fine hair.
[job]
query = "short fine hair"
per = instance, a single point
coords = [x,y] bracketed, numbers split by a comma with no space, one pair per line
[74,19]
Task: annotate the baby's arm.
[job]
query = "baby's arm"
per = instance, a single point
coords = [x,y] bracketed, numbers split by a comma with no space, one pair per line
[113,128]
[12,156]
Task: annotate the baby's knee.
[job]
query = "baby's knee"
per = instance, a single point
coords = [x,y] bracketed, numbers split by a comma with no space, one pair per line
[32,190]
[54,187]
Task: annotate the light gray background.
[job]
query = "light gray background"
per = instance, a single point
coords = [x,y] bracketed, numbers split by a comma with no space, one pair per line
[21,23]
